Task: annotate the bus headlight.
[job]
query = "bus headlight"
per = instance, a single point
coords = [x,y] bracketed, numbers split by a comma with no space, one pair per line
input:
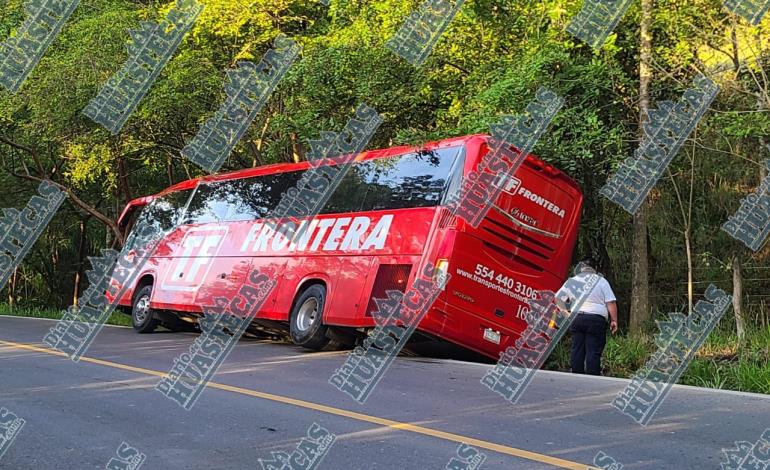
[441,272]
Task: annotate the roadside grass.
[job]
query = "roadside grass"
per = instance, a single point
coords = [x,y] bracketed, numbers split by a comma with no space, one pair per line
[116,318]
[720,362]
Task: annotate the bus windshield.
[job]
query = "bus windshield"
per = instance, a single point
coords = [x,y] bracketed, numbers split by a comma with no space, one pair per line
[162,215]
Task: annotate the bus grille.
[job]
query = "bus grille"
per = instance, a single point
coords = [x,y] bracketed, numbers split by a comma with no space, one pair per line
[389,277]
[515,245]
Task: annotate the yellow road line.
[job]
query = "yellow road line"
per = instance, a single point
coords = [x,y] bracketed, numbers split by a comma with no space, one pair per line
[524,454]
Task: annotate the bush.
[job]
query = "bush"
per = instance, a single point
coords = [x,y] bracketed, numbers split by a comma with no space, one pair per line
[719,363]
[116,318]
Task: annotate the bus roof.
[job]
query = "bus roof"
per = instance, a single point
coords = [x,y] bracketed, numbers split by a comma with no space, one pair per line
[365,155]
[284,167]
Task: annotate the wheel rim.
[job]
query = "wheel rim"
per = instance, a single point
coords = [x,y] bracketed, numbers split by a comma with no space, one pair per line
[142,309]
[307,314]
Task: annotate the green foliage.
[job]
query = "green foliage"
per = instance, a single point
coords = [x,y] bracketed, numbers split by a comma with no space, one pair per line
[489,62]
[624,355]
[721,365]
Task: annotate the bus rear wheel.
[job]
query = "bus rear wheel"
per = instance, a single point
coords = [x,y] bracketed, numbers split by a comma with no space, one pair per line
[306,326]
[142,316]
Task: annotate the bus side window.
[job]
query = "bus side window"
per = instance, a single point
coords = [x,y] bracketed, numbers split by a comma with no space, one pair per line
[412,180]
[209,204]
[240,199]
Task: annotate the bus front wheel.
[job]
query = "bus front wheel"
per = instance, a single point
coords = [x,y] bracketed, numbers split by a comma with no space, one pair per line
[306,320]
[142,316]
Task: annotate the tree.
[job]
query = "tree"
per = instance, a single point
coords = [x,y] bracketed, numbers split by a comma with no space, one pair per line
[640,288]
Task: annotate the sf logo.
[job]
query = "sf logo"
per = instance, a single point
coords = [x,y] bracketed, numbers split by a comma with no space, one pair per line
[194,257]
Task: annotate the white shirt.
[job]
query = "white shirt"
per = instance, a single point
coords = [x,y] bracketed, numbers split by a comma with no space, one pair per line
[596,302]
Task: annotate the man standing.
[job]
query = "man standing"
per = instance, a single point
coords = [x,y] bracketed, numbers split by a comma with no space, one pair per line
[589,328]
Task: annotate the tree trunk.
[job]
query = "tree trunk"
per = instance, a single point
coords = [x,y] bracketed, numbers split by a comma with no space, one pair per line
[688,232]
[254,150]
[256,146]
[81,255]
[740,326]
[170,171]
[686,228]
[297,152]
[736,56]
[640,289]
[689,270]
[12,287]
[123,180]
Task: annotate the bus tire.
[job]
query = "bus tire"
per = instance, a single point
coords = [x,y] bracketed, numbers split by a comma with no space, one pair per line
[142,316]
[306,326]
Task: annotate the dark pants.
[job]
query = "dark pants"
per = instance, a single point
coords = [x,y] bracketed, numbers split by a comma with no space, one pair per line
[589,335]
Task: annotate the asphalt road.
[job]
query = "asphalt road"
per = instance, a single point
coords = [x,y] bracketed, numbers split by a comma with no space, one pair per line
[268,394]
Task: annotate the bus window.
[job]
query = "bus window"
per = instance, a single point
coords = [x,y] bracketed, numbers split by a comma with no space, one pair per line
[239,200]
[162,215]
[412,180]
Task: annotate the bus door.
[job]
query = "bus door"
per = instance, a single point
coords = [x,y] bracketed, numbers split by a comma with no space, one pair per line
[201,261]
[224,273]
[268,248]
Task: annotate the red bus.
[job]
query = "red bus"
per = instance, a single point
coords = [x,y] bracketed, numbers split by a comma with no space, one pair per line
[384,219]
